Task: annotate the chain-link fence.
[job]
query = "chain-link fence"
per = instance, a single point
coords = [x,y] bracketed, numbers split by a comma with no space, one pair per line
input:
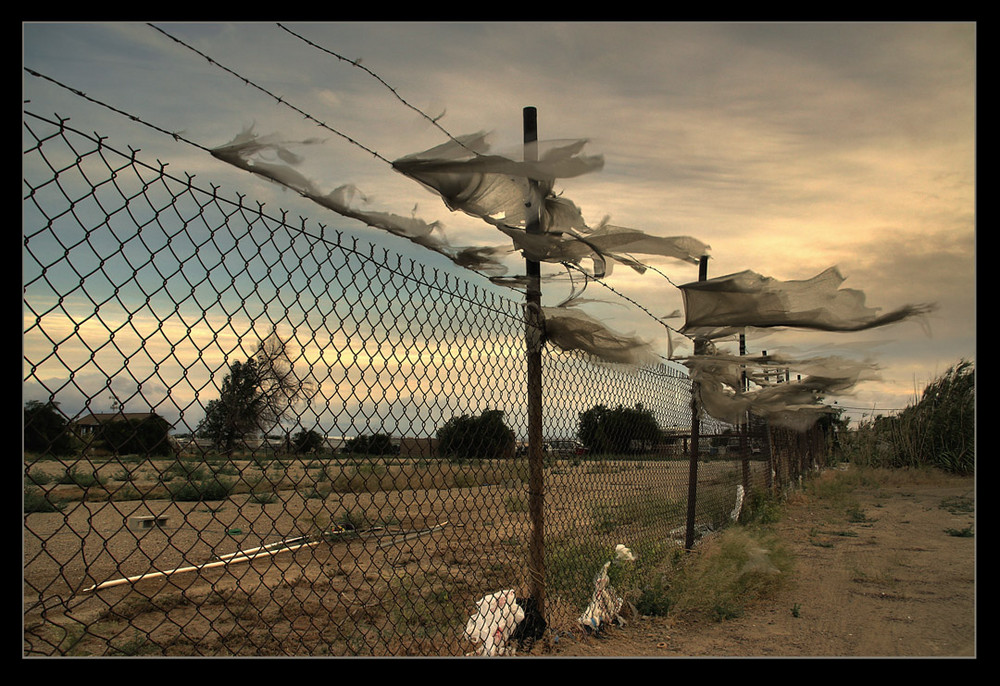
[248,437]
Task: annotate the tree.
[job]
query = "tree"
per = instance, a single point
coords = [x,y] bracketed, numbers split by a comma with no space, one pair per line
[485,436]
[45,429]
[621,430]
[307,442]
[147,436]
[255,395]
[377,444]
[281,389]
[239,410]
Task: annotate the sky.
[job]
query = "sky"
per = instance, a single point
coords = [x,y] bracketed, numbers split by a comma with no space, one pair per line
[787,147]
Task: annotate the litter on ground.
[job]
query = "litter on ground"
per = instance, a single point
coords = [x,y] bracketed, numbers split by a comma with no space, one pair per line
[497,615]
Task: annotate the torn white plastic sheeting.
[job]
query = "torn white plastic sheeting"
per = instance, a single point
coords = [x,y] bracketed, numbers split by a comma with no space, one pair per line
[249,151]
[497,615]
[605,604]
[502,192]
[793,404]
[726,304]
[573,330]
[735,514]
[497,188]
[507,193]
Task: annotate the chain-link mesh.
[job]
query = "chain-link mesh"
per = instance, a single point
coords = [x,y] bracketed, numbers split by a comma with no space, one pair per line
[247,437]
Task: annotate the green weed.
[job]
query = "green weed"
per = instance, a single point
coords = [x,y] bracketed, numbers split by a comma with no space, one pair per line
[961,533]
[36,500]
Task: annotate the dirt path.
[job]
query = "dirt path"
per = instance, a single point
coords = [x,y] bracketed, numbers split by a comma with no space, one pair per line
[880,572]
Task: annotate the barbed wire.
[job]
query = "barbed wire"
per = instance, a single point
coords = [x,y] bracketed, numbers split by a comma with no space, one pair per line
[277,98]
[391,89]
[247,81]
[357,63]
[173,134]
[617,292]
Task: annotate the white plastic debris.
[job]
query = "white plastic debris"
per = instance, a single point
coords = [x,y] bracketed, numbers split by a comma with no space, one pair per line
[497,615]
[624,554]
[735,515]
[605,604]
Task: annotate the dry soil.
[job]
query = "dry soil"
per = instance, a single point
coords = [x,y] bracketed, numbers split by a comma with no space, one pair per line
[887,571]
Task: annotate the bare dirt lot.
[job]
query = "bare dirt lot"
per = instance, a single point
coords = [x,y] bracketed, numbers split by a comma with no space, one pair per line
[887,569]
[885,566]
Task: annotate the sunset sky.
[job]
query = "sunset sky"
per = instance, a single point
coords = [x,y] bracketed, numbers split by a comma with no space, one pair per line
[787,147]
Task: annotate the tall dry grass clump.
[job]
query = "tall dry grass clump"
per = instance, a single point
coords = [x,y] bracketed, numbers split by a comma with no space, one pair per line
[937,431]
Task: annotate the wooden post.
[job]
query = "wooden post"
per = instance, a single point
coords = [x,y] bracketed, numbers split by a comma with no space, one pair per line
[699,348]
[533,339]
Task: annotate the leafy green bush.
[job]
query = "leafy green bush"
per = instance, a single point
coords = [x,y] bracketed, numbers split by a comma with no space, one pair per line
[376,444]
[621,430]
[146,436]
[307,442]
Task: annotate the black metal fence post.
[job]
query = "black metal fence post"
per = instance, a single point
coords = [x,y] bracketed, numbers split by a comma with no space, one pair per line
[699,347]
[533,335]
[744,429]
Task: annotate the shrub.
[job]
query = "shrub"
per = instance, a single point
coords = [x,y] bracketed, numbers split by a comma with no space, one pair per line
[35,500]
[307,442]
[377,444]
[45,429]
[621,430]
[147,436]
[197,491]
[485,436]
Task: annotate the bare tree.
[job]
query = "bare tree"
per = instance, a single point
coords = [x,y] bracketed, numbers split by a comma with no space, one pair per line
[281,388]
[257,395]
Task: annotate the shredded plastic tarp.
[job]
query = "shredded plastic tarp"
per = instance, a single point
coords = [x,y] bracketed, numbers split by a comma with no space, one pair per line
[606,603]
[251,152]
[571,329]
[497,615]
[504,192]
[508,194]
[720,382]
[725,305]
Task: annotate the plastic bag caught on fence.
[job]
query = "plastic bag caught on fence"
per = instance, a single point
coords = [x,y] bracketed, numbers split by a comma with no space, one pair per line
[792,404]
[497,615]
[255,154]
[725,305]
[623,553]
[735,514]
[606,604]
[572,330]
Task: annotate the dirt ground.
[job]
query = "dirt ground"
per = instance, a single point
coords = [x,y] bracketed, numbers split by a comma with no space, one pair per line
[880,573]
